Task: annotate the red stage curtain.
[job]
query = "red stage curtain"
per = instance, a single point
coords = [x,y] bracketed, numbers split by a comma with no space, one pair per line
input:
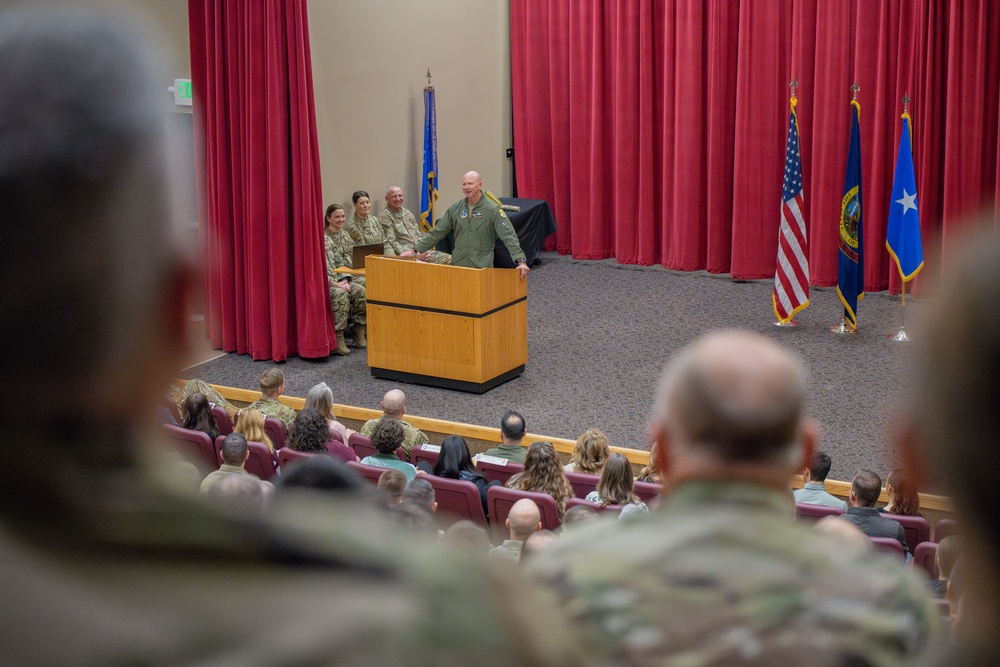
[260,196]
[656,129]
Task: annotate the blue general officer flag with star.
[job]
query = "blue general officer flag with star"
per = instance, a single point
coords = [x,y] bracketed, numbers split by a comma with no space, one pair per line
[903,235]
[851,264]
[429,193]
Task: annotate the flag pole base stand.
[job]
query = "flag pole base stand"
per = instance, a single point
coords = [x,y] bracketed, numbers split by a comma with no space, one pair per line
[843,328]
[789,323]
[900,336]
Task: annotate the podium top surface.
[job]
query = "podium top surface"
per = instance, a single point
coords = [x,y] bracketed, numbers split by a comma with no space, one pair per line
[455,289]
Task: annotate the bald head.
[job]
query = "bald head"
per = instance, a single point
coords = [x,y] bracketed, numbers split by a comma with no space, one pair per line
[394,198]
[472,186]
[523,519]
[394,403]
[733,396]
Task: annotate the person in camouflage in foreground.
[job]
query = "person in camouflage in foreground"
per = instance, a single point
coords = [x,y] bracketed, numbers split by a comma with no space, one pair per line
[722,573]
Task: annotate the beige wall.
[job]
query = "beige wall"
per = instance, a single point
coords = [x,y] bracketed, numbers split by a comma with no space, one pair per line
[370,60]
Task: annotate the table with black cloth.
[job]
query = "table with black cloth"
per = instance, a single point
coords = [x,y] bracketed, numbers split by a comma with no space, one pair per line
[533,224]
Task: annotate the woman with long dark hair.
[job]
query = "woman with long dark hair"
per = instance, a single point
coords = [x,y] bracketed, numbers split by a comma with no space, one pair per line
[455,462]
[198,416]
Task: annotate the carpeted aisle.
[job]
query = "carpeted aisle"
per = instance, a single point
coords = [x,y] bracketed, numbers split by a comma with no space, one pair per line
[599,335]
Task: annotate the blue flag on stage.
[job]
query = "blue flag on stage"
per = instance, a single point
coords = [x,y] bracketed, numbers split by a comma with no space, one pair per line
[429,193]
[903,235]
[851,267]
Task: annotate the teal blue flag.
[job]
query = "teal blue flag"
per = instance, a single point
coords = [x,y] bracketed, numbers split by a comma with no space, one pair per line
[851,267]
[903,235]
[429,193]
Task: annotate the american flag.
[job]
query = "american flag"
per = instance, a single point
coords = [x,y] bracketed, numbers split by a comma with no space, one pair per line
[791,277]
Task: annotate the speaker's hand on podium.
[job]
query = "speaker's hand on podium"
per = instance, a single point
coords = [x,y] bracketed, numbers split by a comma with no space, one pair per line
[523,268]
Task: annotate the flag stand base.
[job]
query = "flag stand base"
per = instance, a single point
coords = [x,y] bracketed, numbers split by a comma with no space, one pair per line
[900,336]
[789,323]
[843,328]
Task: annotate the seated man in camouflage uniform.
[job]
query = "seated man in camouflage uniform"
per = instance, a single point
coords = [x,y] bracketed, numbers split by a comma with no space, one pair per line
[347,292]
[401,229]
[722,573]
[394,407]
[272,384]
[101,561]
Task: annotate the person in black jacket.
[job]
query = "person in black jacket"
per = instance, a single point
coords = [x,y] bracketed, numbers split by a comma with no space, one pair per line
[455,462]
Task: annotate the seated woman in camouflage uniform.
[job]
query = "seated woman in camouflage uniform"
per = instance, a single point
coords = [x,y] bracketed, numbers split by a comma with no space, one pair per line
[347,293]
[364,227]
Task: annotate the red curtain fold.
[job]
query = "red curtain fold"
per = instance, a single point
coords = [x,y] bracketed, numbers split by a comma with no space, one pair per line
[260,195]
[655,129]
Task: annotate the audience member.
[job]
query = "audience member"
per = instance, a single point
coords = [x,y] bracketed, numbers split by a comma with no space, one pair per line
[722,573]
[865,490]
[944,558]
[591,451]
[272,384]
[198,416]
[814,492]
[320,399]
[234,456]
[102,564]
[387,438]
[455,462]
[415,517]
[201,387]
[238,495]
[465,534]
[616,486]
[364,227]
[347,292]
[310,432]
[578,514]
[420,492]
[543,474]
[391,484]
[401,230]
[540,540]
[903,496]
[251,425]
[322,473]
[394,407]
[650,473]
[512,430]
[523,519]
[845,531]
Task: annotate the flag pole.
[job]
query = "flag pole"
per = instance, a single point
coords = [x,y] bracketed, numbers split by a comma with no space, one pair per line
[792,322]
[900,336]
[845,326]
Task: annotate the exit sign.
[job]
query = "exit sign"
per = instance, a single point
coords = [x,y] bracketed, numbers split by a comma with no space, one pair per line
[182,92]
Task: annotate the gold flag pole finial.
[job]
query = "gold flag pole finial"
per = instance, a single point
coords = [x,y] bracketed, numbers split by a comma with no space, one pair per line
[906,102]
[854,89]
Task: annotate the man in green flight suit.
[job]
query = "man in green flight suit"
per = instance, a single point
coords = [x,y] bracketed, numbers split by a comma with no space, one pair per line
[478,222]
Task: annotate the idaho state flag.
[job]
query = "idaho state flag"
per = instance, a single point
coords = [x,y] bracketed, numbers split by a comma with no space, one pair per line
[903,235]
[851,267]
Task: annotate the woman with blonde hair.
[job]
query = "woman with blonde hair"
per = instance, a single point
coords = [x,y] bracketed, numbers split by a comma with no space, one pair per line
[651,471]
[616,486]
[543,474]
[251,425]
[591,451]
[320,399]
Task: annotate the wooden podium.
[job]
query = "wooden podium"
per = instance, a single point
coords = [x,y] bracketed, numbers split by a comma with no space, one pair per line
[445,326]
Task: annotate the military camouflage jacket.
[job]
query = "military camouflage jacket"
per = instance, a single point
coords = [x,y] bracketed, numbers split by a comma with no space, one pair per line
[272,407]
[339,249]
[401,231]
[364,231]
[477,228]
[724,574]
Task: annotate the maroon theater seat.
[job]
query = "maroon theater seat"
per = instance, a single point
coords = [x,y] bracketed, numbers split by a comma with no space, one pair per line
[457,500]
[275,429]
[923,556]
[500,499]
[945,528]
[338,450]
[582,483]
[814,513]
[648,492]
[195,445]
[426,453]
[288,456]
[362,446]
[499,472]
[222,420]
[917,529]
[370,473]
[889,545]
